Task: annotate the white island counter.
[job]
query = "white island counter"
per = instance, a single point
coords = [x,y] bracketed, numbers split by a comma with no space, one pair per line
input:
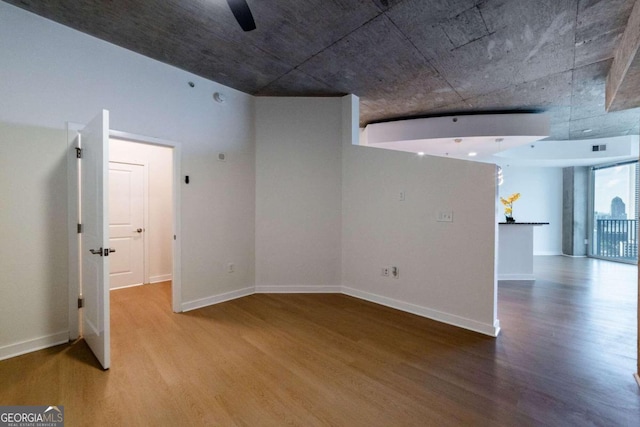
[515,250]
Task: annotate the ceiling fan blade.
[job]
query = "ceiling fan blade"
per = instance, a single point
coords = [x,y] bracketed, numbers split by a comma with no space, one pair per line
[241,11]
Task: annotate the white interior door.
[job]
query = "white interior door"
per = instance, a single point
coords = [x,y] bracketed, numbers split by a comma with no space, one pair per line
[126,224]
[95,236]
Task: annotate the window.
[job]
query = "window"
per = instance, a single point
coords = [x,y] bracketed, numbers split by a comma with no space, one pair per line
[615,206]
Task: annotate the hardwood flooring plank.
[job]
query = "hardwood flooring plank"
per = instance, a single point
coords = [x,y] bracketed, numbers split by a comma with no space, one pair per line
[565,357]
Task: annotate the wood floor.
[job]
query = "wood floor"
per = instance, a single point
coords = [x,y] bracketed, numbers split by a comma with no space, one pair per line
[565,356]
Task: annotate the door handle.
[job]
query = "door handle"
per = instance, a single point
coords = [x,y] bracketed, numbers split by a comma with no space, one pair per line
[139,230]
[102,252]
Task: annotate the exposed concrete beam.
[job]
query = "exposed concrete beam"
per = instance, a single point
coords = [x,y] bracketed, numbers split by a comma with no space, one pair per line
[623,81]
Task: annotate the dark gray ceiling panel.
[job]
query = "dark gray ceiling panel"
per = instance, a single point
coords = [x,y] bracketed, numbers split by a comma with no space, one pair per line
[403,58]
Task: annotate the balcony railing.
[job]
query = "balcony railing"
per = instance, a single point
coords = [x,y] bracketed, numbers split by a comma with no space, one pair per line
[617,239]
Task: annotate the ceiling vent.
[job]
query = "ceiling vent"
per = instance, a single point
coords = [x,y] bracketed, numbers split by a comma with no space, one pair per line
[602,147]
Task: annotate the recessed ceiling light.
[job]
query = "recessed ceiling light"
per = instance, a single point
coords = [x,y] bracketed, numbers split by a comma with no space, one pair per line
[587,130]
[420,153]
[458,140]
[473,154]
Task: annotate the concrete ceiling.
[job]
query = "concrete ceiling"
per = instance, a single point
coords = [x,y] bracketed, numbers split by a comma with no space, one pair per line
[403,58]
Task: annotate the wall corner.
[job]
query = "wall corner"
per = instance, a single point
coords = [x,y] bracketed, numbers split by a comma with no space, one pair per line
[350,120]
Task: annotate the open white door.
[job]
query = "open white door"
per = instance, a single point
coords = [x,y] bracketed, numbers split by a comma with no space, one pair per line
[95,236]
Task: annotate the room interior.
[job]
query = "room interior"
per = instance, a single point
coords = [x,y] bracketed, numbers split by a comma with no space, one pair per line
[299,205]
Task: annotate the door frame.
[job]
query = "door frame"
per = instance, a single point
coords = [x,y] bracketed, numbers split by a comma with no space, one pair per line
[73,215]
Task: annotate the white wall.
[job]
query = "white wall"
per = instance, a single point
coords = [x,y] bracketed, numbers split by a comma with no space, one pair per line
[328,212]
[298,194]
[33,238]
[51,74]
[159,230]
[447,270]
[540,201]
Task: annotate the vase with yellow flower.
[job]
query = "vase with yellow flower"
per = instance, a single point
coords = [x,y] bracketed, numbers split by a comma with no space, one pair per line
[508,206]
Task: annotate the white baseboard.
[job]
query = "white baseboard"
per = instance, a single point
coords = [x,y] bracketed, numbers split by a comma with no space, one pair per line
[160,278]
[461,322]
[293,289]
[153,279]
[13,350]
[215,299]
[574,256]
[516,277]
[126,286]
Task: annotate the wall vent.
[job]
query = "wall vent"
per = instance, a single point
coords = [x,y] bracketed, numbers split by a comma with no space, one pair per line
[602,147]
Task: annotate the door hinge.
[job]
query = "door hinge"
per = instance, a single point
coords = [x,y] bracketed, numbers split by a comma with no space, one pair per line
[78,152]
[80,302]
[79,228]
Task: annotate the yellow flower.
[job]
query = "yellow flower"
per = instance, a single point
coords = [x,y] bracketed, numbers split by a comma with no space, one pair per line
[508,203]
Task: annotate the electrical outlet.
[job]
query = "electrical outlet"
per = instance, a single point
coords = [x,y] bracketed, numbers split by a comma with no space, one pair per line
[395,272]
[445,216]
[231,268]
[401,196]
[384,272]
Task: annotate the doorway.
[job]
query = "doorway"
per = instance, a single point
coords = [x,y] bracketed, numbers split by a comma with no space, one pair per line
[140,213]
[96,138]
